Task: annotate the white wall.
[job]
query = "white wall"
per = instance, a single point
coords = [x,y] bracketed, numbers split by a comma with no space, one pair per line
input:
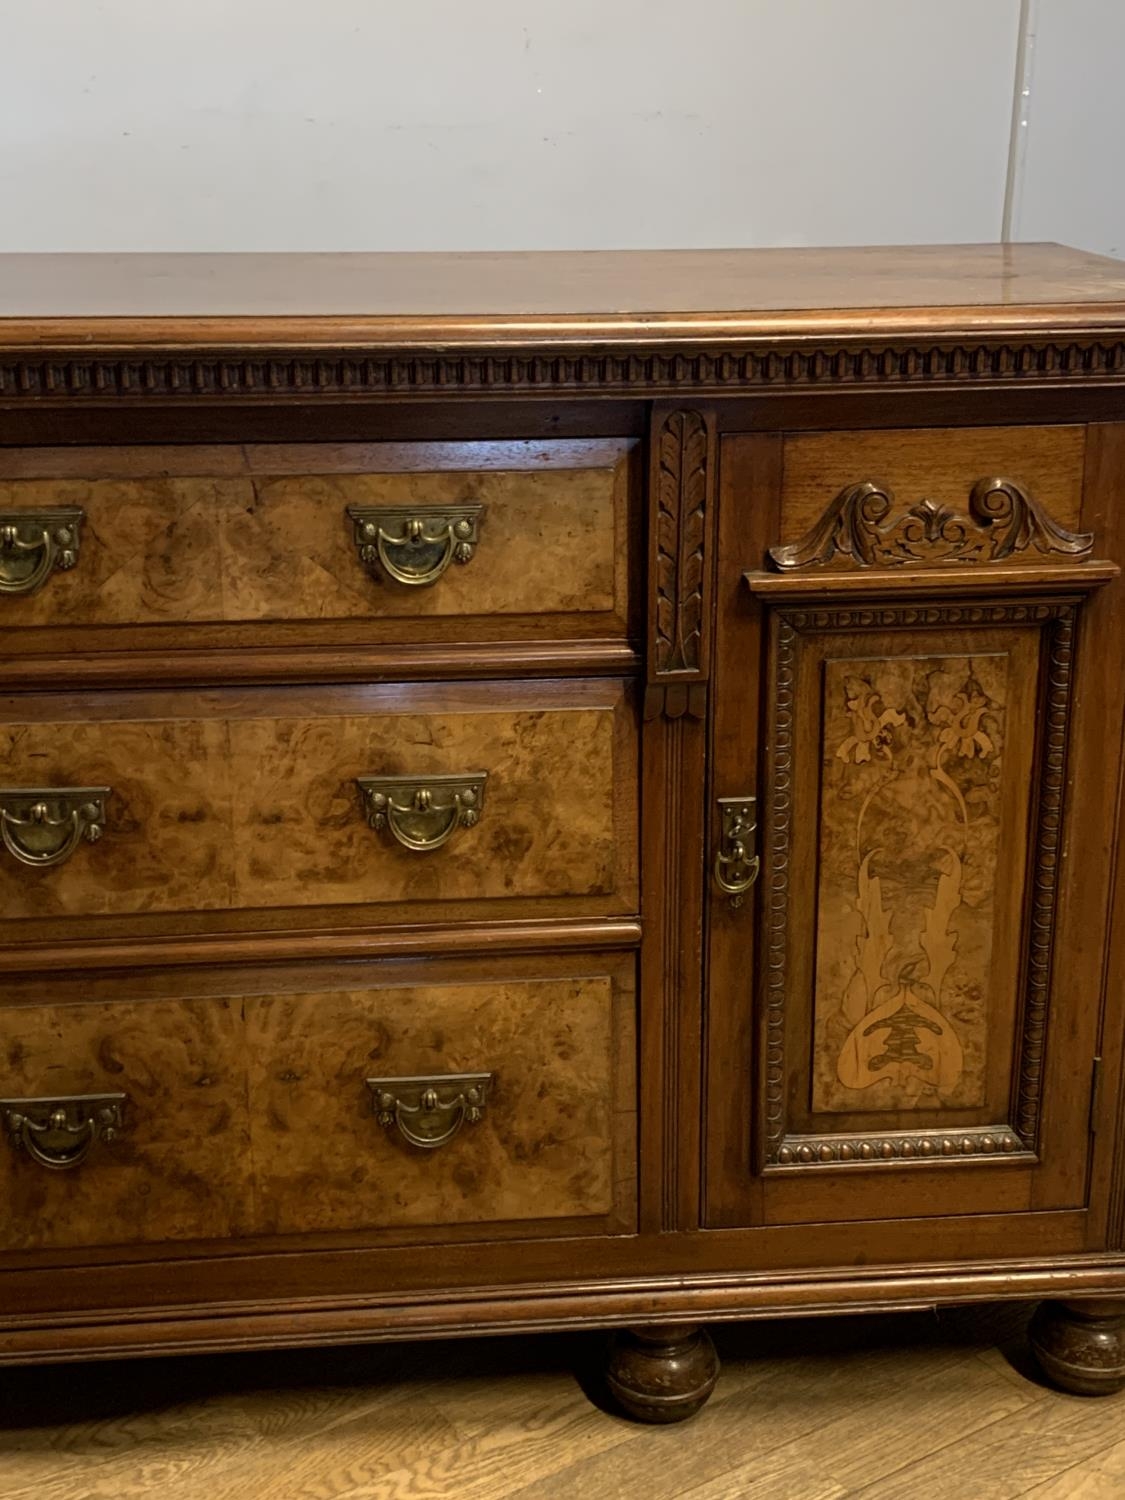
[1072,184]
[424,124]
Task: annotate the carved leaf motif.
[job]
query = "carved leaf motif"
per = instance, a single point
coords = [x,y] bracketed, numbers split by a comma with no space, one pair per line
[1002,520]
[680,526]
[1022,522]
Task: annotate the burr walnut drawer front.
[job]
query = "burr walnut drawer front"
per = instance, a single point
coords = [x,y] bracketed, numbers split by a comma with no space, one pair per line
[918,496]
[421,1107]
[380,802]
[445,1104]
[123,1121]
[373,542]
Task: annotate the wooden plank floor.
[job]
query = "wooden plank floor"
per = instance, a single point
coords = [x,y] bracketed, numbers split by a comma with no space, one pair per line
[905,1407]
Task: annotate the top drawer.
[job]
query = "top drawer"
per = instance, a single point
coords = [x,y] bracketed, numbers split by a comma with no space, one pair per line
[375,542]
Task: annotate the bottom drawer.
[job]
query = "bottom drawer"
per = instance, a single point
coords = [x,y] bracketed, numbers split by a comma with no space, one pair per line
[483,1096]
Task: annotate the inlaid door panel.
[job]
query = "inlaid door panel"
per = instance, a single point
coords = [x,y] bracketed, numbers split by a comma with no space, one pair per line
[905,1010]
[903,846]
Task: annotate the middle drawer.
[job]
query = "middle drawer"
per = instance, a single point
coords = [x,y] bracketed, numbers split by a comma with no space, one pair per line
[393,797]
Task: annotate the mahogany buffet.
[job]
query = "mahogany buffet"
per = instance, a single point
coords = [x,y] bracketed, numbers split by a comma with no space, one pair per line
[560,790]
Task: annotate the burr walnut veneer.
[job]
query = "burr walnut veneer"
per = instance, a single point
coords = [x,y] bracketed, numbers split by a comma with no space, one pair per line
[560,790]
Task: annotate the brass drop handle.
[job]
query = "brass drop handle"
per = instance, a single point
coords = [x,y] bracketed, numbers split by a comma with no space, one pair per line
[59,1133]
[428,1112]
[736,859]
[42,826]
[414,544]
[423,813]
[34,543]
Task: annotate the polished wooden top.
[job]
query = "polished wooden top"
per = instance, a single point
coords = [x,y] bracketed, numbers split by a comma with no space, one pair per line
[550,296]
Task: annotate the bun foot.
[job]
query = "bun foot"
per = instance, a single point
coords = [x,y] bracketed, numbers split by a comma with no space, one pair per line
[662,1374]
[1080,1345]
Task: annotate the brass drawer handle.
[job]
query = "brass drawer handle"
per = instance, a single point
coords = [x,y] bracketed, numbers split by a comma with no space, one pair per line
[414,544]
[428,1112]
[736,860]
[43,826]
[423,813]
[33,543]
[59,1133]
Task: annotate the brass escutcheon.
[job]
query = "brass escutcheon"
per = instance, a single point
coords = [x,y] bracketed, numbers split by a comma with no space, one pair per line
[428,1112]
[34,543]
[414,544]
[736,859]
[423,812]
[43,826]
[59,1132]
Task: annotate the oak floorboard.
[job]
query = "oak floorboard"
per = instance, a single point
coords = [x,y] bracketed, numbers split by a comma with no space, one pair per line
[1101,1477]
[1008,1457]
[944,1406]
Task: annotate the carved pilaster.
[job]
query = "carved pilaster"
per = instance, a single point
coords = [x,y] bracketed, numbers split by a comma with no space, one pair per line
[682,464]
[681,559]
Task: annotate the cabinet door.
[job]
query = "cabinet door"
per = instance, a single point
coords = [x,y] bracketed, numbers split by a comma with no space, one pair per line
[905,1006]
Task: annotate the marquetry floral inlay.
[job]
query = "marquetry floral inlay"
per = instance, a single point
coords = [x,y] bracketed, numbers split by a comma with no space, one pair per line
[908,865]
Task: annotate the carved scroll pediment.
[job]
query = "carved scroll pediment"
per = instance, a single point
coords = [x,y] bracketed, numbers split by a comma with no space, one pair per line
[1002,520]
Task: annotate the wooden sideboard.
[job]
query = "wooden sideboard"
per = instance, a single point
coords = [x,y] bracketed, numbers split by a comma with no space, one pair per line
[560,790]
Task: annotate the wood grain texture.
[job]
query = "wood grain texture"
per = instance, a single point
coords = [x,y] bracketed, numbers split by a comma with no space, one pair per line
[145,331]
[806,1409]
[247,1113]
[912,766]
[193,664]
[167,843]
[168,540]
[149,550]
[856,929]
[546,827]
[749,499]
[959,358]
[938,464]
[1051,1082]
[250,806]
[180,1168]
[557,1123]
[281,942]
[566,517]
[672,969]
[623,287]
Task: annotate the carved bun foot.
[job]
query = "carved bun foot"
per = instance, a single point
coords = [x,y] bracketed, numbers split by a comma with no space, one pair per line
[662,1374]
[1080,1346]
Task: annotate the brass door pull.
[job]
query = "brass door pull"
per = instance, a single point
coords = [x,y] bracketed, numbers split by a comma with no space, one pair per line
[43,826]
[423,812]
[736,859]
[33,543]
[414,544]
[428,1112]
[59,1133]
